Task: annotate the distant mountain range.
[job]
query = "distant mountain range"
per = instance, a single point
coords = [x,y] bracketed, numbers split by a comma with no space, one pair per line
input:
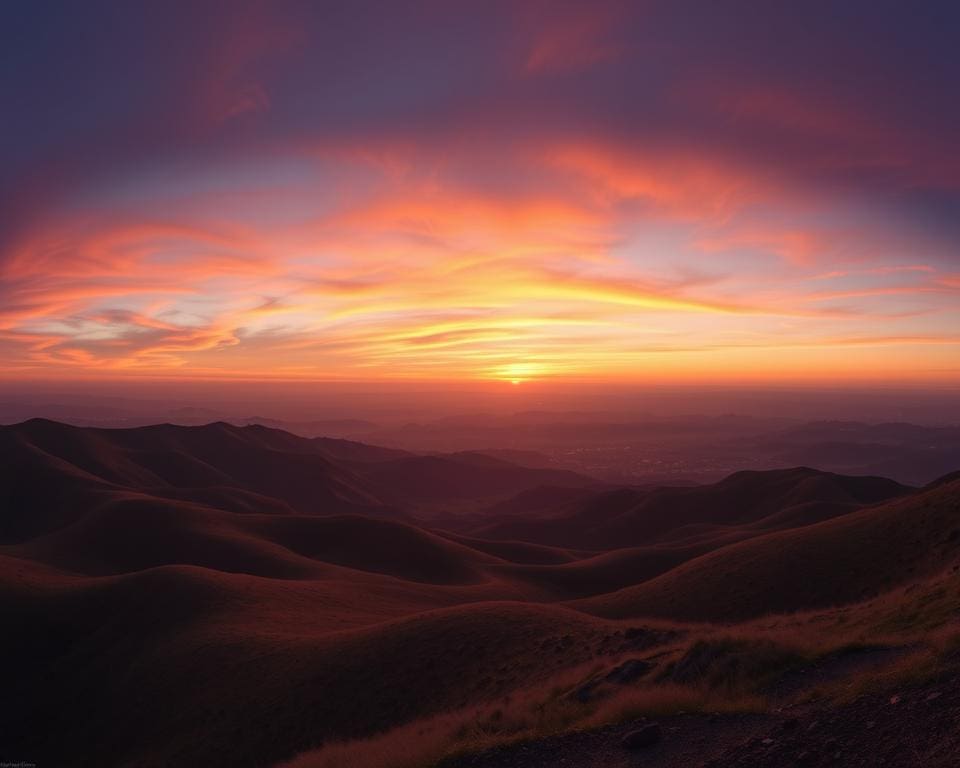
[667,450]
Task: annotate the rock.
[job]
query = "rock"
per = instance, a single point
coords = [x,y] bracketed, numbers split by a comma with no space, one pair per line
[933,696]
[644,736]
[791,724]
[629,671]
[894,699]
[624,674]
[585,692]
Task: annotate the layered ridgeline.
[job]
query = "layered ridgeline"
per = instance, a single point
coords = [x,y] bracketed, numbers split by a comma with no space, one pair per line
[225,595]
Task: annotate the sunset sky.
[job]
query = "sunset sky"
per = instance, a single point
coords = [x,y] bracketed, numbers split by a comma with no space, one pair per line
[506,191]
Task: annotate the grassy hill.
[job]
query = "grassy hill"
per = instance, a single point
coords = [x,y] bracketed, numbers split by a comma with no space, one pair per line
[849,558]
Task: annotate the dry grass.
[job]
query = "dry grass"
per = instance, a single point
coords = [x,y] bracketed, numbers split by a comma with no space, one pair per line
[427,742]
[535,713]
[670,699]
[411,746]
[937,657]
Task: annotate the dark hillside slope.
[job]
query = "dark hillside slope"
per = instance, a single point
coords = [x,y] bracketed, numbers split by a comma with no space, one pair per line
[189,666]
[635,517]
[244,469]
[254,460]
[837,561]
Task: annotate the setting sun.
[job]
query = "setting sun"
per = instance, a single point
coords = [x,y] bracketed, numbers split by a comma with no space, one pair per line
[517,373]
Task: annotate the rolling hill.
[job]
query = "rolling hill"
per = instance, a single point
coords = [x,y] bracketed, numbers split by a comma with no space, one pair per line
[241,469]
[222,595]
[634,517]
[853,557]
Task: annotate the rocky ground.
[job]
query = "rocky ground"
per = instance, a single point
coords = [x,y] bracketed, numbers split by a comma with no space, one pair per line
[918,726]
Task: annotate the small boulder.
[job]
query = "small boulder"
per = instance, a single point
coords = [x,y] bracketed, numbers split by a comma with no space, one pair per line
[645,736]
[585,692]
[629,671]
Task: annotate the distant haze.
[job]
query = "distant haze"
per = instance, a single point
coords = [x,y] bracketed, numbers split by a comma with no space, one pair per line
[396,402]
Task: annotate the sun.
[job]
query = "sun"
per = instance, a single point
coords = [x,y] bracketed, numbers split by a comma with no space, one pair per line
[517,373]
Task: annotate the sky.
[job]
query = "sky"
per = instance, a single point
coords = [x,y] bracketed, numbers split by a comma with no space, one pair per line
[504,192]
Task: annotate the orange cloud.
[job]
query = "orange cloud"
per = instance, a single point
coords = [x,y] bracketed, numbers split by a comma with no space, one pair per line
[680,184]
[420,273]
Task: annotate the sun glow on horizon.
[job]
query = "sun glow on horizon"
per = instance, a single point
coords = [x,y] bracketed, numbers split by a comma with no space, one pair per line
[518,373]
